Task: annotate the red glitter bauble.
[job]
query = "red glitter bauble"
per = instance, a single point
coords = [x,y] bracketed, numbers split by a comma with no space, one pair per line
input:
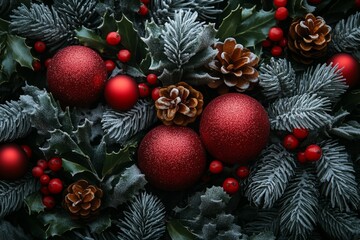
[234,128]
[121,92]
[13,162]
[171,157]
[351,68]
[76,76]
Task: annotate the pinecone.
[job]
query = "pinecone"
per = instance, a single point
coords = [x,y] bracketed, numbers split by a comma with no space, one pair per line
[82,200]
[235,66]
[309,38]
[179,104]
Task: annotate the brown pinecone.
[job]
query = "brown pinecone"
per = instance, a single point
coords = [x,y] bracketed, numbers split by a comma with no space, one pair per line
[82,200]
[179,104]
[309,38]
[235,66]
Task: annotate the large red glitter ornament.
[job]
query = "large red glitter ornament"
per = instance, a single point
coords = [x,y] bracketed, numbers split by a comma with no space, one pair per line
[171,157]
[121,92]
[234,128]
[351,68]
[13,162]
[76,76]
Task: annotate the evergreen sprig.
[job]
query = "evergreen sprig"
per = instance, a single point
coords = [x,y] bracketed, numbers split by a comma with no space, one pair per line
[270,176]
[120,126]
[6,6]
[298,214]
[144,220]
[265,220]
[308,111]
[14,123]
[336,174]
[277,78]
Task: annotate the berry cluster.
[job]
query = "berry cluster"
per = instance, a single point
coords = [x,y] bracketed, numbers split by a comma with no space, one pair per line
[49,186]
[291,142]
[40,48]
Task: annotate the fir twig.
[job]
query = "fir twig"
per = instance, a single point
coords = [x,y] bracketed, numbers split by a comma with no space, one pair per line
[13,122]
[270,176]
[336,174]
[266,220]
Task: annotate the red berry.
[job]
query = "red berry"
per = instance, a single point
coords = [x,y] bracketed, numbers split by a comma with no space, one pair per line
[242,172]
[110,65]
[281,13]
[36,65]
[44,179]
[313,153]
[266,43]
[55,186]
[44,190]
[124,55]
[216,167]
[40,46]
[283,42]
[151,79]
[290,142]
[47,62]
[55,164]
[301,157]
[314,1]
[276,51]
[27,150]
[145,1]
[37,171]
[113,38]
[155,93]
[42,163]
[143,10]
[49,202]
[280,3]
[276,34]
[231,185]
[144,90]
[300,133]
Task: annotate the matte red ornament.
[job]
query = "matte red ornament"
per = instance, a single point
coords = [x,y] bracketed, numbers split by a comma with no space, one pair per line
[171,157]
[234,128]
[351,68]
[13,162]
[121,92]
[76,76]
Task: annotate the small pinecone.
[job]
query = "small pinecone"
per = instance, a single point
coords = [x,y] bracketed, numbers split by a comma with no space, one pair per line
[179,104]
[82,200]
[235,66]
[309,38]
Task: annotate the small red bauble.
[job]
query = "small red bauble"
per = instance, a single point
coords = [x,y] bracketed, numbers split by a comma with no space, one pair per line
[124,55]
[234,128]
[110,65]
[300,133]
[290,142]
[49,202]
[113,38]
[27,150]
[55,164]
[301,157]
[144,90]
[351,68]
[76,76]
[281,13]
[231,185]
[313,153]
[36,65]
[37,171]
[42,163]
[44,179]
[121,92]
[13,162]
[44,190]
[266,43]
[171,157]
[283,42]
[276,51]
[39,46]
[151,79]
[314,1]
[155,93]
[280,3]
[216,167]
[143,10]
[276,34]
[242,172]
[55,186]
[47,62]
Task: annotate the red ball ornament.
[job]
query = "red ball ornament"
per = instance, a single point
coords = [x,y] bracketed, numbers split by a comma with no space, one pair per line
[231,185]
[351,68]
[76,76]
[234,128]
[121,92]
[13,162]
[171,157]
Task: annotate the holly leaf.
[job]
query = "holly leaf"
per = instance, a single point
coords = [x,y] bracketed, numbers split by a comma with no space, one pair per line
[108,25]
[228,26]
[73,168]
[177,231]
[58,223]
[34,203]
